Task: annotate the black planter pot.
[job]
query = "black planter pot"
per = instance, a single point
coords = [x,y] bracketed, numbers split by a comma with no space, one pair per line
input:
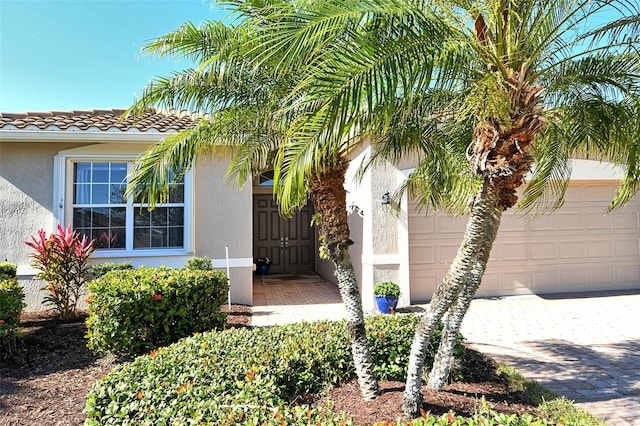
[262,269]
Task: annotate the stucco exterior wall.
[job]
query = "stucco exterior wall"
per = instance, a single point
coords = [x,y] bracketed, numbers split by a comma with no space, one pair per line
[26,195]
[380,240]
[223,217]
[221,214]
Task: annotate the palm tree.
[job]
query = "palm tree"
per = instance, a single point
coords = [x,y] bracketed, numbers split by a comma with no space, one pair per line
[241,101]
[529,82]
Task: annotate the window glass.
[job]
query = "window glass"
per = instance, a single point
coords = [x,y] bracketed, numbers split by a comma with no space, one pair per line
[266,178]
[100,210]
[160,227]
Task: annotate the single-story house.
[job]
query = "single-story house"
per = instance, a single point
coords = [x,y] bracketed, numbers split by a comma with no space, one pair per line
[70,167]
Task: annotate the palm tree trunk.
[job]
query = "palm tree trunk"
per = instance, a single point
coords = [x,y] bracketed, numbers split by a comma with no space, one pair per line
[444,358]
[330,201]
[362,359]
[484,214]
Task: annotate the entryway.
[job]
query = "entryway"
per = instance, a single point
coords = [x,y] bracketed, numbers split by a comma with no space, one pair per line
[288,243]
[288,298]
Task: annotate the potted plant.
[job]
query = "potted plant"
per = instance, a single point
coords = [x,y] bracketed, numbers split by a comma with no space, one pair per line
[262,265]
[387,294]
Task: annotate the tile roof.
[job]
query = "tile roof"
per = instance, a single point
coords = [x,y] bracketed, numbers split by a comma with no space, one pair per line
[95,120]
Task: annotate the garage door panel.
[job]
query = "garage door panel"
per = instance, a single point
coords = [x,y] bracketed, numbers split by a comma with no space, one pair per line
[625,220]
[628,274]
[422,224]
[572,278]
[598,221]
[448,225]
[626,248]
[490,284]
[598,194]
[576,195]
[570,221]
[601,275]
[515,282]
[542,250]
[510,224]
[599,248]
[571,249]
[424,254]
[545,223]
[577,248]
[512,251]
[543,279]
[423,286]
[447,252]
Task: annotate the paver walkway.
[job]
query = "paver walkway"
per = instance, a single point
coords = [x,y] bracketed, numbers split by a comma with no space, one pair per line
[284,299]
[585,348]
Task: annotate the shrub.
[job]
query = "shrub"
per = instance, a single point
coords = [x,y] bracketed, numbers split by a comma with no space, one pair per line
[8,270]
[387,288]
[11,305]
[100,269]
[562,411]
[242,376]
[450,419]
[133,311]
[202,263]
[63,261]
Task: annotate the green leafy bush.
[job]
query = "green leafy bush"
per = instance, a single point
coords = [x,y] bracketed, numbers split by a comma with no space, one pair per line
[243,375]
[450,419]
[63,261]
[387,288]
[203,263]
[133,311]
[8,270]
[11,305]
[390,345]
[100,269]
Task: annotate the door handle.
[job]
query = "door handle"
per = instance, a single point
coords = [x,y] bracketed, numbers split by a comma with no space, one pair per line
[286,242]
[282,243]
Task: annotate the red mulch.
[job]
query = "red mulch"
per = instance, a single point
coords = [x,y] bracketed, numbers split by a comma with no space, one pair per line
[48,382]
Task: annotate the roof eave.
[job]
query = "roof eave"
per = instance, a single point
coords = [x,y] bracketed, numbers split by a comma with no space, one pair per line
[18,135]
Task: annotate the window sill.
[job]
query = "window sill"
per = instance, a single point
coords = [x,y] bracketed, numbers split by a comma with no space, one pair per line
[105,254]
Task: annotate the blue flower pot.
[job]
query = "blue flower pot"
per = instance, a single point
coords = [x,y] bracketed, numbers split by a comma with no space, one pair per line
[262,270]
[386,305]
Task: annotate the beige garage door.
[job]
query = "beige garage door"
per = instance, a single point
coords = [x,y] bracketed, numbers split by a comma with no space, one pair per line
[578,248]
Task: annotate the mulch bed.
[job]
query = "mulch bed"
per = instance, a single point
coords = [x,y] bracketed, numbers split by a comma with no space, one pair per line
[48,382]
[463,397]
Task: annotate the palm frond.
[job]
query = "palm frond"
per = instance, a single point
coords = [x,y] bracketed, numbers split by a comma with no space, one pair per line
[192,42]
[163,163]
[550,177]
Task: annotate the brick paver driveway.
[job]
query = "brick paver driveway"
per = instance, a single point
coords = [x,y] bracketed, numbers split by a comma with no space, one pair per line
[585,348]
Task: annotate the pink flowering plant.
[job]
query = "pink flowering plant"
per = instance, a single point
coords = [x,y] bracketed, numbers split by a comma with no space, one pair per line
[63,261]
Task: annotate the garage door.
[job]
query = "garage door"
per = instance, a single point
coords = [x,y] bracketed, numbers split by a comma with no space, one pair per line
[577,248]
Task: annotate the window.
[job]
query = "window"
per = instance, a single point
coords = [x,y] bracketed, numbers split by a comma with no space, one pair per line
[97,208]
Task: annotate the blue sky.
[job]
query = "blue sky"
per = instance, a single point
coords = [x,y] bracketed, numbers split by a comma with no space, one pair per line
[83,54]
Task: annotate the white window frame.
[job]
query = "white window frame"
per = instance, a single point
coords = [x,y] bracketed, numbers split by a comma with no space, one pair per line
[63,203]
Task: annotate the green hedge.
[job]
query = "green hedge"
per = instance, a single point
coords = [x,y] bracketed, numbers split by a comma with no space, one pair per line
[8,270]
[11,305]
[100,269]
[242,376]
[134,311]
